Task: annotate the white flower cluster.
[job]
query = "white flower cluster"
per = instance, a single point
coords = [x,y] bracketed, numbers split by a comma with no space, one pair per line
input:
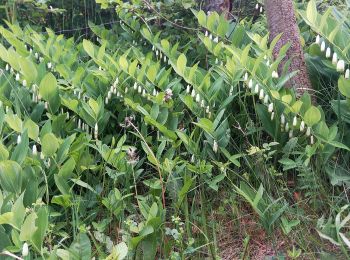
[113,91]
[160,55]
[339,63]
[34,89]
[35,93]
[155,92]
[256,89]
[215,40]
[259,7]
[198,99]
[297,124]
[36,97]
[210,36]
[83,126]
[41,59]
[268,64]
[285,125]
[139,89]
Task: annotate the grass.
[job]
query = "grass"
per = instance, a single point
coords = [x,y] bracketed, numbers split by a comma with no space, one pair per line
[166,177]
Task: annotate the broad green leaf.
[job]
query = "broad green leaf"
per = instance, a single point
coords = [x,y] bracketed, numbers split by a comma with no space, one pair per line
[89,48]
[19,211]
[49,144]
[62,200]
[147,230]
[202,18]
[95,107]
[83,184]
[28,228]
[311,11]
[152,73]
[339,145]
[312,116]
[181,63]
[41,224]
[287,99]
[66,170]
[206,125]
[6,218]
[165,45]
[222,27]
[28,70]
[244,55]
[275,94]
[4,154]
[153,211]
[11,176]
[5,238]
[16,216]
[133,67]
[212,20]
[344,86]
[119,252]
[48,89]
[295,108]
[32,128]
[123,62]
[61,184]
[14,122]
[81,247]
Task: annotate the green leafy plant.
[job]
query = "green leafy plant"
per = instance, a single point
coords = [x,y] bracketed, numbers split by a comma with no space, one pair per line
[123,144]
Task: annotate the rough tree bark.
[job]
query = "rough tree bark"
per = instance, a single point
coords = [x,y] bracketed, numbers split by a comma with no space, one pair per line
[219,6]
[281,19]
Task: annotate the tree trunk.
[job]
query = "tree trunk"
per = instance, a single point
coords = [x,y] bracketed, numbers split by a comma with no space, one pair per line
[219,6]
[281,19]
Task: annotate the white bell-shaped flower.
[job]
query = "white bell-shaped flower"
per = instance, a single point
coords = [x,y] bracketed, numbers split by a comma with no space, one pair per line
[256,90]
[318,39]
[272,115]
[347,74]
[341,66]
[283,119]
[308,131]
[302,126]
[335,59]
[290,133]
[287,127]
[193,93]
[25,250]
[270,107]
[266,99]
[250,84]
[246,76]
[261,94]
[215,146]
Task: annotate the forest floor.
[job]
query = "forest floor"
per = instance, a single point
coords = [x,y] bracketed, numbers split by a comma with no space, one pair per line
[245,238]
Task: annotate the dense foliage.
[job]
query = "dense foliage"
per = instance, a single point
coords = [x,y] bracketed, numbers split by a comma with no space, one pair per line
[160,130]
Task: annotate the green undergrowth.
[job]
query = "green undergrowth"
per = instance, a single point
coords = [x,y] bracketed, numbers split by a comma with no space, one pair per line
[170,135]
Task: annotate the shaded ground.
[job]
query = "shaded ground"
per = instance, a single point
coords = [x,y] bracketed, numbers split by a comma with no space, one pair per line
[244,238]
